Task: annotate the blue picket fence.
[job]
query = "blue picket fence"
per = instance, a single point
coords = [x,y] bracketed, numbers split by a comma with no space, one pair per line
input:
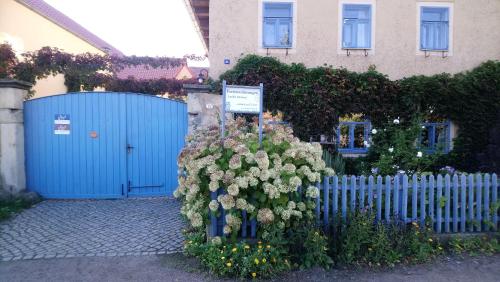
[457,203]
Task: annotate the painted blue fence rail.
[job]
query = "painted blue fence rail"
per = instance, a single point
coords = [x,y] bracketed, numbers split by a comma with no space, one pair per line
[452,203]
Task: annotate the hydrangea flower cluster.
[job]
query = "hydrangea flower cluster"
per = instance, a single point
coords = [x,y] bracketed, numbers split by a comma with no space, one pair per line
[262,180]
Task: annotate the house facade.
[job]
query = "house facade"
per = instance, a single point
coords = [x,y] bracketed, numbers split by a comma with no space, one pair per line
[29,25]
[399,37]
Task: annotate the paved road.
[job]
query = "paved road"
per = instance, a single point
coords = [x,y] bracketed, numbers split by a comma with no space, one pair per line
[63,229]
[175,267]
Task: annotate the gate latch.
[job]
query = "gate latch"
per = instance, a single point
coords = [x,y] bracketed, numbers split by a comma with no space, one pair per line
[129,148]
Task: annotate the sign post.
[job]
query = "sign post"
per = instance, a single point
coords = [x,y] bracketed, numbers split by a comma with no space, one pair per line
[243,100]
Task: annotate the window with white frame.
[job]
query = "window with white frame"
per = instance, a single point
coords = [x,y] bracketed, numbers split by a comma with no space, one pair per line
[434,28]
[277,25]
[356,26]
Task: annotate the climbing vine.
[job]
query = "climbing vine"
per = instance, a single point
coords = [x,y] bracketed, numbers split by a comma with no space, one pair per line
[313,99]
[88,70]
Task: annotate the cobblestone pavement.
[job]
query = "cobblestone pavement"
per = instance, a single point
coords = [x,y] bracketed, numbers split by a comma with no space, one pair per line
[56,229]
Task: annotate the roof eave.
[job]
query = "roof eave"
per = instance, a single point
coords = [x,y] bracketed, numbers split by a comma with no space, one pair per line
[199,12]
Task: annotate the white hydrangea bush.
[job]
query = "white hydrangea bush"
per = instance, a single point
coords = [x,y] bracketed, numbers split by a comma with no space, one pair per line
[263,181]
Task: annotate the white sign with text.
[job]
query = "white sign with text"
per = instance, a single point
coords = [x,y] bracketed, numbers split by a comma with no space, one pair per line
[243,99]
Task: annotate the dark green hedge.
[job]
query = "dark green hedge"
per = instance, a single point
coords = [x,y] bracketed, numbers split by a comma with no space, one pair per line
[312,99]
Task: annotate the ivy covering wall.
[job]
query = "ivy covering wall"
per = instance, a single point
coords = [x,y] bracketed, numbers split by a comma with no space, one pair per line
[313,99]
[89,71]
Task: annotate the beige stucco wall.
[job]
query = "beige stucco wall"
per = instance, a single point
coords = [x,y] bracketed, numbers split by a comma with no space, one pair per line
[234,32]
[28,31]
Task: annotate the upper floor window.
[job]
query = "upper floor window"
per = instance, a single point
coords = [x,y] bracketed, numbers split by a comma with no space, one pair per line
[434,28]
[356,26]
[277,25]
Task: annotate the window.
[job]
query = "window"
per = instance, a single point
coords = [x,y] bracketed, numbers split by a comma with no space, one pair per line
[434,28]
[277,25]
[356,26]
[435,136]
[353,136]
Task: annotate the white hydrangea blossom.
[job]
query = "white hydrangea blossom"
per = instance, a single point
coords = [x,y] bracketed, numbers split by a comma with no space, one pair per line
[312,192]
[208,164]
[213,205]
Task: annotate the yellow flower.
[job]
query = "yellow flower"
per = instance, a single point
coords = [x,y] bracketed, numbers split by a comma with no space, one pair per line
[430,239]
[260,247]
[259,242]
[228,264]
[234,250]
[256,261]
[268,246]
[264,260]
[440,248]
[222,258]
[247,247]
[254,274]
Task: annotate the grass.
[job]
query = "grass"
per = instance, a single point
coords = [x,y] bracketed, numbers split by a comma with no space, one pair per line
[11,206]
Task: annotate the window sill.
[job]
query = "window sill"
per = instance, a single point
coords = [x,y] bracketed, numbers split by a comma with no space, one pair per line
[428,52]
[365,50]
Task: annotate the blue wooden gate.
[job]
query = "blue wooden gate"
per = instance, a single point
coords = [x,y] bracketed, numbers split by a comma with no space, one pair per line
[103,145]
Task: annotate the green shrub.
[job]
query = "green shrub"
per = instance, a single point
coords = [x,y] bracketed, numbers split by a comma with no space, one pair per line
[262,259]
[480,244]
[359,240]
[11,206]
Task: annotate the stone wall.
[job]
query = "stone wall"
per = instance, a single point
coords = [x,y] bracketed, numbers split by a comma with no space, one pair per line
[12,173]
[204,108]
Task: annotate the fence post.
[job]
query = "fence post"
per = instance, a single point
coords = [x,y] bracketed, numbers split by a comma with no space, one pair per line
[455,203]
[326,197]
[253,228]
[486,218]
[479,194]
[344,197]
[318,208]
[395,200]
[439,199]
[244,224]
[362,186]
[471,202]
[447,195]
[213,217]
[335,197]
[370,192]
[404,202]
[379,198]
[353,194]
[414,193]
[387,198]
[431,200]
[423,213]
[494,196]
[463,201]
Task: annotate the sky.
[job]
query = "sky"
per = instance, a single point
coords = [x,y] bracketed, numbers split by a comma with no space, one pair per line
[138,27]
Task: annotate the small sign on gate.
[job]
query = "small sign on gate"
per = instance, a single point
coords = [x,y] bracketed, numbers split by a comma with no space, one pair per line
[62,124]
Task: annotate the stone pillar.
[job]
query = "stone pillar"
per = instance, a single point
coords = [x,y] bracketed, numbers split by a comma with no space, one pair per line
[12,169]
[204,109]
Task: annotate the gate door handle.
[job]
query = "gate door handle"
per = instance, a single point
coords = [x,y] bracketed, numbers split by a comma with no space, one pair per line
[129,148]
